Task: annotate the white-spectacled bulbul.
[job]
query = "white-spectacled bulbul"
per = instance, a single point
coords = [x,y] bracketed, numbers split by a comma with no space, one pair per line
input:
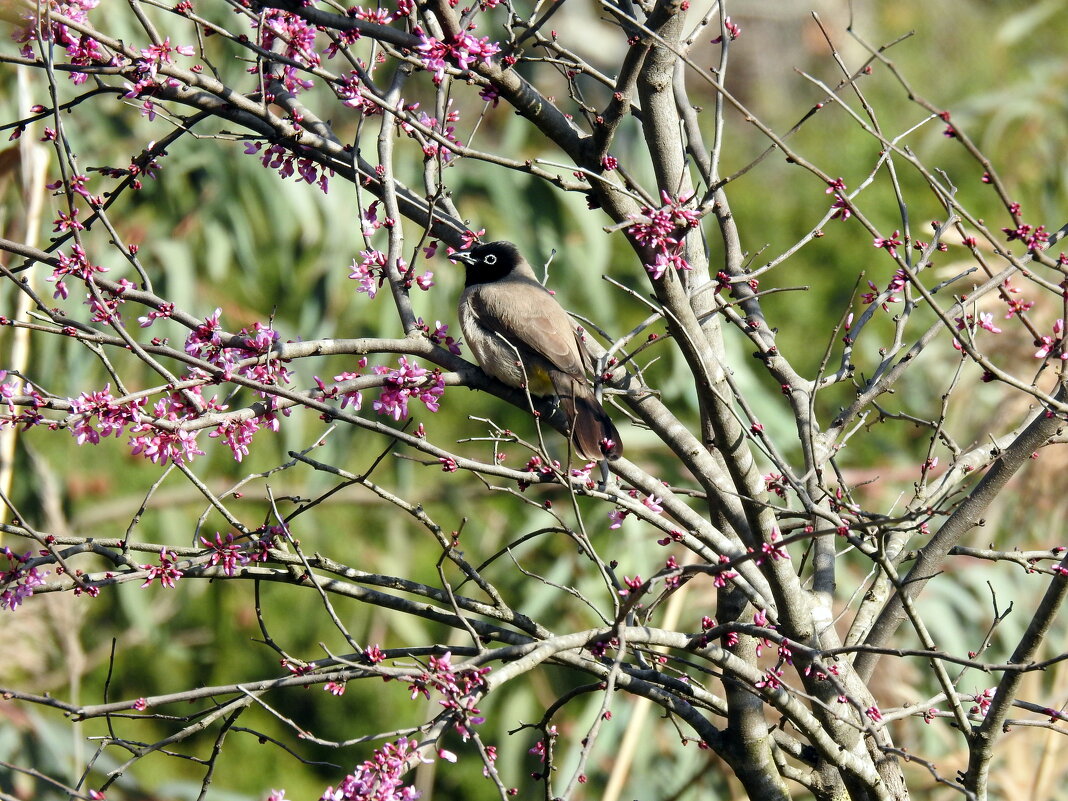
[520,335]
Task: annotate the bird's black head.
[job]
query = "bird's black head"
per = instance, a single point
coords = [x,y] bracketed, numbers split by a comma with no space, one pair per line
[488,263]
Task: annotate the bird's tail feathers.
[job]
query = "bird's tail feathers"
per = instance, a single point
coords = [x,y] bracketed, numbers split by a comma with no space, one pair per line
[592,432]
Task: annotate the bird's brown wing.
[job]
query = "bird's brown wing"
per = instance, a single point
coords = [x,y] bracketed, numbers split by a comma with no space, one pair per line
[527,316]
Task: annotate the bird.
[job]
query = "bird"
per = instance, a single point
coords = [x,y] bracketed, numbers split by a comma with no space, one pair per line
[521,335]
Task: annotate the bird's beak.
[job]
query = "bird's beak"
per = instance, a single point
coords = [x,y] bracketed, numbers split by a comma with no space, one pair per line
[462,255]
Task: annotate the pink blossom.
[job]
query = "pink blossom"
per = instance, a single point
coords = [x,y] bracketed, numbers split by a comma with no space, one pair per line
[770,680]
[983,701]
[773,549]
[445,128]
[354,396]
[380,778]
[295,38]
[225,552]
[733,31]
[1035,238]
[468,239]
[350,89]
[581,473]
[721,578]
[18,581]
[237,434]
[176,445]
[842,209]
[1017,306]
[890,244]
[98,414]
[407,382]
[663,230]
[380,16]
[276,157]
[80,48]
[374,654]
[440,336]
[165,571]
[76,265]
[986,321]
[652,503]
[463,51]
[164,311]
[166,446]
[1053,344]
[369,272]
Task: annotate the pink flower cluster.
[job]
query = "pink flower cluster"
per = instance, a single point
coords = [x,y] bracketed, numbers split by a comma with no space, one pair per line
[276,157]
[663,230]
[105,304]
[889,243]
[380,778]
[721,578]
[446,129]
[774,548]
[1053,344]
[76,265]
[985,320]
[650,502]
[463,51]
[81,49]
[12,387]
[898,282]
[18,582]
[1035,238]
[760,618]
[460,689]
[166,571]
[407,382]
[147,78]
[225,552]
[100,415]
[379,16]
[171,443]
[355,397]
[440,336]
[252,353]
[733,29]
[295,39]
[350,88]
[538,749]
[842,210]
[237,434]
[369,272]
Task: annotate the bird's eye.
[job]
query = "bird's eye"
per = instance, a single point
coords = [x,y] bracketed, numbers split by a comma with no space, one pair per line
[490,259]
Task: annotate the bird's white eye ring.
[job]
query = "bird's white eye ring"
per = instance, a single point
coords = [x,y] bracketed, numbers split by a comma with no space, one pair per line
[490,259]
